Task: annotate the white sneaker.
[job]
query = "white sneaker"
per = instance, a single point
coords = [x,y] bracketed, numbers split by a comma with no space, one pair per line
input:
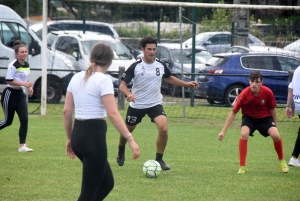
[25,149]
[294,162]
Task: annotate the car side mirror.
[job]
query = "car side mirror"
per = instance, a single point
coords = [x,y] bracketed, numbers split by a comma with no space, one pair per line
[76,55]
[165,60]
[207,43]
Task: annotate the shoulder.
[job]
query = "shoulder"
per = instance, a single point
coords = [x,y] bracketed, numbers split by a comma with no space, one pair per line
[14,63]
[136,63]
[160,62]
[266,89]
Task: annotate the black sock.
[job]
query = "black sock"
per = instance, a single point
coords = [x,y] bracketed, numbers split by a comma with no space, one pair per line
[121,149]
[158,156]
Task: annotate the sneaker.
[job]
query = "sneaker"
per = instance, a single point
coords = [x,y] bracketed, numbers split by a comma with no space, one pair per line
[242,170]
[294,162]
[283,166]
[163,165]
[120,159]
[25,149]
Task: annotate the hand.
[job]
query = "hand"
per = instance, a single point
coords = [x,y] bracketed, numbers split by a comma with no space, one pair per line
[30,91]
[221,136]
[192,84]
[135,148]
[69,150]
[27,84]
[130,98]
[288,112]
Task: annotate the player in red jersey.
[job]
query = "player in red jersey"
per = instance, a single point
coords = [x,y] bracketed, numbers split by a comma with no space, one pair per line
[259,113]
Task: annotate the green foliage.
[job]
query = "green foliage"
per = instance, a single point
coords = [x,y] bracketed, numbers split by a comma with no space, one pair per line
[145,30]
[220,20]
[135,33]
[202,168]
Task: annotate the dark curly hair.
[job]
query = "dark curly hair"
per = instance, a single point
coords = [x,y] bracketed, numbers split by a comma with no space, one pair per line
[148,40]
[255,75]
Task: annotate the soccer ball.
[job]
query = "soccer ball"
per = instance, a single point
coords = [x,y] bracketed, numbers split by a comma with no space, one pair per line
[151,168]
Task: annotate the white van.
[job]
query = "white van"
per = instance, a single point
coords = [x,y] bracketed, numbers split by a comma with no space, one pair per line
[60,70]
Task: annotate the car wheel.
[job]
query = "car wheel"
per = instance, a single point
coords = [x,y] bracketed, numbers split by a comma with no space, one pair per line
[174,90]
[231,95]
[54,91]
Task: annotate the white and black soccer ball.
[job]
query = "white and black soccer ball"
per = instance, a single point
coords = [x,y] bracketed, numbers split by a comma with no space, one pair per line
[151,168]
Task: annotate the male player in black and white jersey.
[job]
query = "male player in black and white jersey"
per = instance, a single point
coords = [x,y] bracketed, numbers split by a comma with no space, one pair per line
[145,96]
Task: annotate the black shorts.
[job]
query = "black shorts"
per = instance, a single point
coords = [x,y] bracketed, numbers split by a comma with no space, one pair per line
[135,116]
[260,124]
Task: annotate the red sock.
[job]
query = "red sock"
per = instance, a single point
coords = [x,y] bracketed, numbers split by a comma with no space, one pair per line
[243,146]
[279,149]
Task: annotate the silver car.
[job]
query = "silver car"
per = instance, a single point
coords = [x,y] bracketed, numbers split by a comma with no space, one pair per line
[218,42]
[294,48]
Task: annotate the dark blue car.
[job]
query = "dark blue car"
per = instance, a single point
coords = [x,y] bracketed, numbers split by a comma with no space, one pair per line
[225,75]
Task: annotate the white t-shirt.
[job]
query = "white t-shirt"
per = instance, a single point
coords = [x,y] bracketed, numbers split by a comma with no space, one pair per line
[87,94]
[18,72]
[295,85]
[146,79]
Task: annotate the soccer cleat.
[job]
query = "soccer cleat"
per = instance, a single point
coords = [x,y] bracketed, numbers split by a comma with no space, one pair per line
[120,159]
[24,148]
[242,170]
[283,166]
[294,162]
[163,165]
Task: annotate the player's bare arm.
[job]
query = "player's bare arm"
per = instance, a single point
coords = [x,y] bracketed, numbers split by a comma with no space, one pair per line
[177,82]
[124,89]
[288,109]
[228,121]
[274,115]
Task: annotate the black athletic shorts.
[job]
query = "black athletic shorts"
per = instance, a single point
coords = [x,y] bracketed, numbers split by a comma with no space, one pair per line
[260,124]
[135,116]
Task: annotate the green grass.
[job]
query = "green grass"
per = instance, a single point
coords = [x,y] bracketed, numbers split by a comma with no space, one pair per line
[202,168]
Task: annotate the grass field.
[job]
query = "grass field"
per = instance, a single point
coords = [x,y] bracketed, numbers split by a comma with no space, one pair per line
[202,168]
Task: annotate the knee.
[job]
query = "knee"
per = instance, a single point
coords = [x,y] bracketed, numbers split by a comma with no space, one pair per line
[24,121]
[163,130]
[244,136]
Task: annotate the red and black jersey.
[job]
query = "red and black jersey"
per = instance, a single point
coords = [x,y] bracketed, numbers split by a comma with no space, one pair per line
[257,106]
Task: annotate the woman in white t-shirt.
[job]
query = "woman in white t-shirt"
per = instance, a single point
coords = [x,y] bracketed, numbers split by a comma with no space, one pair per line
[294,94]
[90,93]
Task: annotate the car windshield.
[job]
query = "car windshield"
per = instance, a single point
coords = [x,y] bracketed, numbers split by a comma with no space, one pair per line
[199,37]
[120,51]
[201,56]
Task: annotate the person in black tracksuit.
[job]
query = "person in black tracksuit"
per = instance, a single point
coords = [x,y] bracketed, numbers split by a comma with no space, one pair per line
[13,98]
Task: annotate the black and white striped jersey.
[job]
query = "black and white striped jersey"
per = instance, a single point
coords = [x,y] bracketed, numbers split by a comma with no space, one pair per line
[146,79]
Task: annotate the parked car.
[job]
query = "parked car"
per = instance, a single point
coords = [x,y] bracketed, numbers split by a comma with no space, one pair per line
[59,70]
[225,75]
[217,42]
[170,53]
[77,47]
[135,52]
[76,25]
[254,48]
[294,48]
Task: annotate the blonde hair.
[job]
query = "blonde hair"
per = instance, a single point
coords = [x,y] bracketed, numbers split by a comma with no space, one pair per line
[101,55]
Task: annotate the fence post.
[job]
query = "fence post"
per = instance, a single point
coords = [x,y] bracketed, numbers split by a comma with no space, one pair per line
[291,73]
[121,96]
